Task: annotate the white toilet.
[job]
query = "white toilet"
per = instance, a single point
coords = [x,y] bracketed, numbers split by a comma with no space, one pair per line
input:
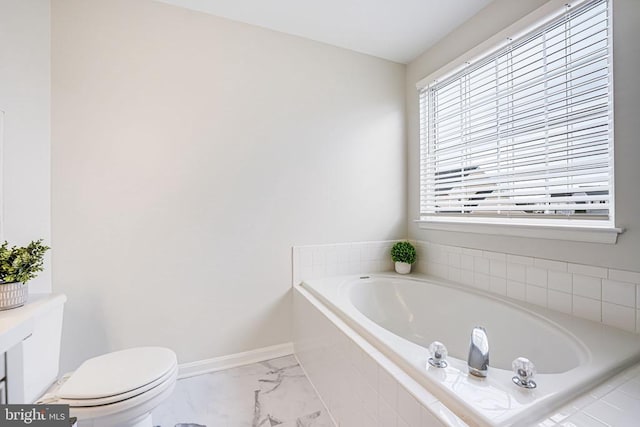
[115,389]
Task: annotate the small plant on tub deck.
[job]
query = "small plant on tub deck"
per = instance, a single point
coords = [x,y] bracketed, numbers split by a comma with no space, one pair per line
[403,254]
[21,264]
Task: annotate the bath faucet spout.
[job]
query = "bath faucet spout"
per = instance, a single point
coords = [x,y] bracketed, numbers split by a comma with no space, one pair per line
[478,360]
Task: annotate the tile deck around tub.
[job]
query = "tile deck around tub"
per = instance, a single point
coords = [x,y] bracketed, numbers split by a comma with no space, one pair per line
[265,394]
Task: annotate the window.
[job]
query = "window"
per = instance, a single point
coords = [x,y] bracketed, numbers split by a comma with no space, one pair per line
[524,135]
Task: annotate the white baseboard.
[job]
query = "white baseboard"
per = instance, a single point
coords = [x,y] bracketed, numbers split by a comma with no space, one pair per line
[186,370]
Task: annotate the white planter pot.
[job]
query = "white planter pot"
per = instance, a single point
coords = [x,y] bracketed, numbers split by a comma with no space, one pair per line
[403,267]
[13,295]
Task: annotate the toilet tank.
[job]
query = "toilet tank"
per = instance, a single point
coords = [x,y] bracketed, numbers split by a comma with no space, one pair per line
[33,364]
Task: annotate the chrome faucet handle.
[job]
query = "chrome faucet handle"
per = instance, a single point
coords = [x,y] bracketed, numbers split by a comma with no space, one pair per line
[439,354]
[525,371]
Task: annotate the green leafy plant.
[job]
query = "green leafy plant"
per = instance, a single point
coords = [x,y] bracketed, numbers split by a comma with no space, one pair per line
[21,264]
[403,252]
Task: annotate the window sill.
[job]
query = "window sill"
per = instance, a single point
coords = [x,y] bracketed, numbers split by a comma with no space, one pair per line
[569,233]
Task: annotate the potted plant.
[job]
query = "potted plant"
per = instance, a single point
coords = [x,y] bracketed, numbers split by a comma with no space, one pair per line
[403,254]
[17,267]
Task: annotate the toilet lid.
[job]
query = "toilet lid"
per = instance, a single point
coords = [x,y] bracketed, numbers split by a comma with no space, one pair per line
[162,382]
[118,372]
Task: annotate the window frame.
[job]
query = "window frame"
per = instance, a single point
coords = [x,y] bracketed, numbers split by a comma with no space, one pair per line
[566,229]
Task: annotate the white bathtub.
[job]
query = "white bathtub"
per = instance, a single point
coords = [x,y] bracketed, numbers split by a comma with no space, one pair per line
[400,316]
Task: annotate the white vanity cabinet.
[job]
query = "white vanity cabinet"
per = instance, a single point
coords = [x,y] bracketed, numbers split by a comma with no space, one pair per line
[30,347]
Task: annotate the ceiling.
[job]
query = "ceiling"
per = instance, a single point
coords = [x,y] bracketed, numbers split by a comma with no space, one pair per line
[397,30]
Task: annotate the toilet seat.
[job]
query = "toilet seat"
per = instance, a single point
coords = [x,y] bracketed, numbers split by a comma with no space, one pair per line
[117,376]
[117,373]
[78,403]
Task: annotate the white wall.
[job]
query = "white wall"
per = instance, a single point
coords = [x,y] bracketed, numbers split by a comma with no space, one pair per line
[25,86]
[189,153]
[495,17]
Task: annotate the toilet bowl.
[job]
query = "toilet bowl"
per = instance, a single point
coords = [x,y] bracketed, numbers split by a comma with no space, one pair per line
[117,389]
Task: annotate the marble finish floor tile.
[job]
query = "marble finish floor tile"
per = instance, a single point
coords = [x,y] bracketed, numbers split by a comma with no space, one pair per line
[265,394]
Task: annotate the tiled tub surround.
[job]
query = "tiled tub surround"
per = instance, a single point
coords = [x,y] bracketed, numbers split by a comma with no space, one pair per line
[616,402]
[314,261]
[600,294]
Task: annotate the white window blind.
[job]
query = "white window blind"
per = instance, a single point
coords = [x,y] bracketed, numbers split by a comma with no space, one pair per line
[525,133]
